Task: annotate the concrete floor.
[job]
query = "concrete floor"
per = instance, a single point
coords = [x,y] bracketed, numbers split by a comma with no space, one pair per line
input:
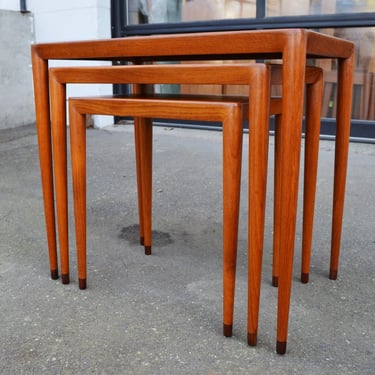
[162,314]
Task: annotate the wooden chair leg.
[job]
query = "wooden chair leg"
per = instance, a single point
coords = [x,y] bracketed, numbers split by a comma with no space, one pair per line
[258,155]
[145,142]
[58,116]
[232,161]
[276,206]
[78,156]
[344,94]
[40,77]
[312,132]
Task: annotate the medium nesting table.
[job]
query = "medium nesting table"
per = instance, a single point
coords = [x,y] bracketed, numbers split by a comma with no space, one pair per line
[293,46]
[138,75]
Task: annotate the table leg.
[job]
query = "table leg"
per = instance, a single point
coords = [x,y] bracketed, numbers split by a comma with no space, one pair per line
[294,60]
[312,132]
[78,156]
[232,161]
[137,137]
[59,141]
[258,159]
[145,143]
[344,105]
[40,77]
[142,144]
[276,205]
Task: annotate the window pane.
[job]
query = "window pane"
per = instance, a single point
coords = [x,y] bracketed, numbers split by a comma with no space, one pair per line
[162,11]
[364,78]
[313,7]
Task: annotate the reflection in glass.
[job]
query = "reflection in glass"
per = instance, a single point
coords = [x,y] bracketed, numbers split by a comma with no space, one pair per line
[161,11]
[195,10]
[364,79]
[313,7]
[170,11]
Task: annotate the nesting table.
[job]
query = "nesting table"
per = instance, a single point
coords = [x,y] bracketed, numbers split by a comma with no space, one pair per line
[293,47]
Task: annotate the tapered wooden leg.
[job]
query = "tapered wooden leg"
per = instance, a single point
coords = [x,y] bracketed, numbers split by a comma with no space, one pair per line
[40,78]
[276,205]
[290,144]
[78,156]
[258,154]
[58,116]
[138,129]
[312,132]
[139,178]
[145,139]
[232,161]
[344,105]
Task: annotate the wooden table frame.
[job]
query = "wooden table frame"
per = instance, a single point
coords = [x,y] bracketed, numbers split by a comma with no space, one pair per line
[293,46]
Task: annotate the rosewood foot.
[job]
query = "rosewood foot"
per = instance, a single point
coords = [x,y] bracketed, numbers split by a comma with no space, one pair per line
[54,274]
[333,274]
[65,278]
[280,347]
[304,278]
[275,281]
[227,330]
[82,283]
[251,339]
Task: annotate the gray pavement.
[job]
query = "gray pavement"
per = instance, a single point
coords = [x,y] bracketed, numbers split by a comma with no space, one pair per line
[161,314]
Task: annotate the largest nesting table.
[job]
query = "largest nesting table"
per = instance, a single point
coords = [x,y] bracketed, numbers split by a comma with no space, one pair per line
[293,47]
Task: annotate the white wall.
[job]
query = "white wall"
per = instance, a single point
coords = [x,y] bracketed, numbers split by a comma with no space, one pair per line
[9,4]
[74,20]
[16,93]
[56,20]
